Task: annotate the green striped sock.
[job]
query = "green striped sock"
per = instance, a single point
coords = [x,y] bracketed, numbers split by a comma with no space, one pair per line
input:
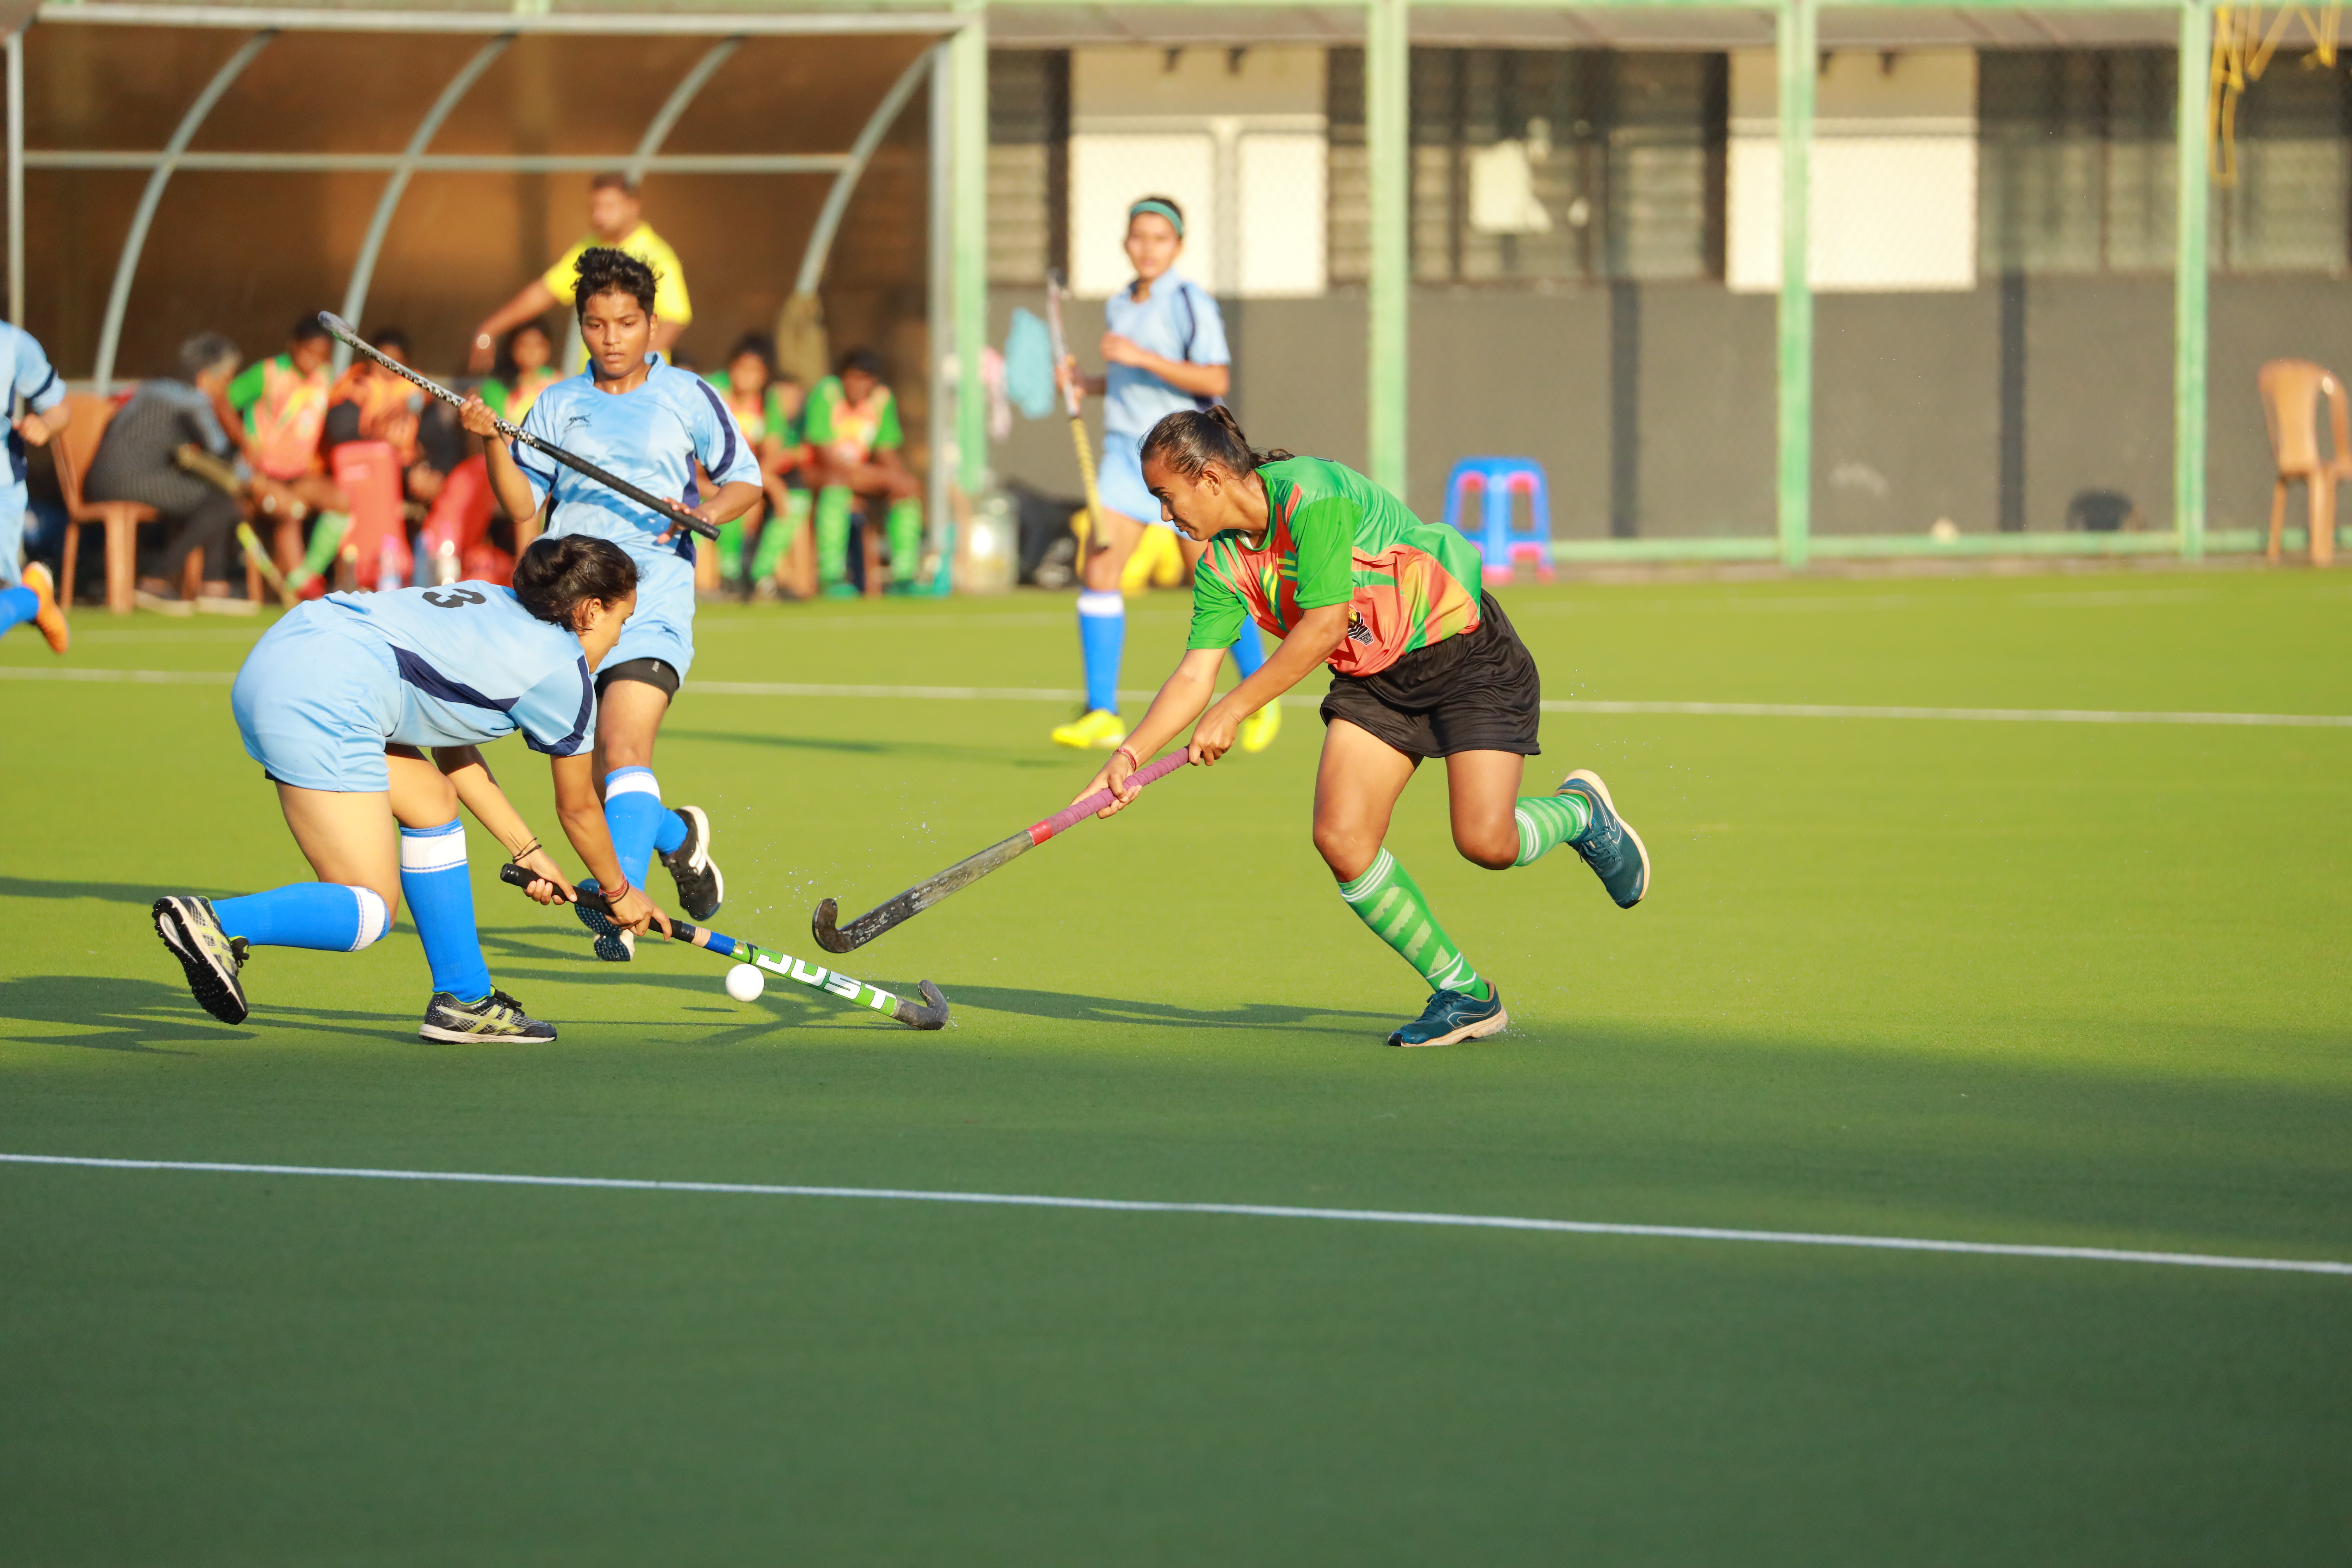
[1548,821]
[1385,899]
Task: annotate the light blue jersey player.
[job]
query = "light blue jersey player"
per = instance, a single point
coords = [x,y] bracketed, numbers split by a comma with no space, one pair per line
[1164,349]
[26,594]
[338,703]
[651,424]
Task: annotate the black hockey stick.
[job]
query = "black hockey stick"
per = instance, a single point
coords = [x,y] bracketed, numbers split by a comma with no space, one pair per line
[661,506]
[965,872]
[931,1013]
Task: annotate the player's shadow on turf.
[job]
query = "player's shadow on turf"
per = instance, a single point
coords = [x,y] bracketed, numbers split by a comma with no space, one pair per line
[1124,1010]
[111,1014]
[113,892]
[874,747]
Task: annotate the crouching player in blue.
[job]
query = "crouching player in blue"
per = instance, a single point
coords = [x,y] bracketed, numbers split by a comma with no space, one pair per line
[335,701]
[649,423]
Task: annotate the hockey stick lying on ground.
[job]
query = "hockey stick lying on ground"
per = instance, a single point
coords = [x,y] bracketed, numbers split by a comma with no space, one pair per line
[193,459]
[964,873]
[660,506]
[931,1013]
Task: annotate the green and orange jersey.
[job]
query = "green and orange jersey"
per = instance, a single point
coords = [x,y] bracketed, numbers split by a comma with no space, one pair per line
[285,413]
[1336,538]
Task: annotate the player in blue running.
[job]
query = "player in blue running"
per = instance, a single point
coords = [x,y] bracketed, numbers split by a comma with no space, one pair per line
[31,595]
[1163,349]
[646,421]
[336,702]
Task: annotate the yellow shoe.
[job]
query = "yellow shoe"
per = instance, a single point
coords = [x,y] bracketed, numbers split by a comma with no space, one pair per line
[50,618]
[1096,729]
[1260,728]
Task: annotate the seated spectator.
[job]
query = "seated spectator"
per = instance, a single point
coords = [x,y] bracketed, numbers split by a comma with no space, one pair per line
[134,463]
[856,447]
[524,370]
[280,407]
[767,408]
[371,404]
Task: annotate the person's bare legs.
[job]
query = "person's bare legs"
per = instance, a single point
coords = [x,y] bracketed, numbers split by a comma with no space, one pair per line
[1356,788]
[1482,793]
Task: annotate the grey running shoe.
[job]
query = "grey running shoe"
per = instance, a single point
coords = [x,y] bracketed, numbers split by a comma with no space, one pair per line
[497,1016]
[1609,845]
[1451,1016]
[701,886]
[211,957]
[615,944]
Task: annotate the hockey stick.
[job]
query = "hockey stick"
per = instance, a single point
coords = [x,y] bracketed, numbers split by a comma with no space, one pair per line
[964,873]
[660,506]
[931,1013]
[193,459]
[1077,415]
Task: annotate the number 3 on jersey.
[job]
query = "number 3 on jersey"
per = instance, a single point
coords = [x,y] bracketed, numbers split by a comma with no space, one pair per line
[458,599]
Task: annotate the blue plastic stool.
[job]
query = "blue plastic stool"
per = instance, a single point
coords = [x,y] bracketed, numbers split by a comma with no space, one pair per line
[1503,546]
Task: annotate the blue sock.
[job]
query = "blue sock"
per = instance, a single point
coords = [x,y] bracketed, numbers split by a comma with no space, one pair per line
[1102,637]
[637,821]
[440,894]
[327,916]
[1249,649]
[669,832]
[17,606]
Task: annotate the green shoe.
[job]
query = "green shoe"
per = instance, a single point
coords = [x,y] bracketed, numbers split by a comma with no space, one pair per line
[1609,845]
[1450,1015]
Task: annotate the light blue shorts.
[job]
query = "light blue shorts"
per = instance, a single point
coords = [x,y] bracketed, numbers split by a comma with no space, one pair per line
[314,706]
[1120,479]
[12,503]
[662,626]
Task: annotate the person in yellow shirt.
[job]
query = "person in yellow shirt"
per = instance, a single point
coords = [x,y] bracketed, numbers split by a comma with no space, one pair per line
[616,219]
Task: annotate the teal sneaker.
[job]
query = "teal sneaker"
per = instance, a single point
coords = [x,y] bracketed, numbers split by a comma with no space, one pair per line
[1610,846]
[1451,1016]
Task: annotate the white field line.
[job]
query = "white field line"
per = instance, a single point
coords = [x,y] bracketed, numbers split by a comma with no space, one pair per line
[1254,1211]
[1067,694]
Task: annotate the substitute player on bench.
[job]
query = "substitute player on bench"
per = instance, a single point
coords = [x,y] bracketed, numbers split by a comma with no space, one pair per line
[335,701]
[1164,350]
[1424,666]
[649,423]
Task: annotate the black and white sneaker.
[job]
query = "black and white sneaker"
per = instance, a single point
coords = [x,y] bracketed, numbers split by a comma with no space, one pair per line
[209,955]
[497,1016]
[701,886]
[614,945]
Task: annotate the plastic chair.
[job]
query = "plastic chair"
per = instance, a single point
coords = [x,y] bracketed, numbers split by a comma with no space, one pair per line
[377,545]
[72,450]
[2291,389]
[1503,545]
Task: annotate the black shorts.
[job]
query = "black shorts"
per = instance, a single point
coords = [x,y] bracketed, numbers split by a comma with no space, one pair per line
[1478,691]
[658,673]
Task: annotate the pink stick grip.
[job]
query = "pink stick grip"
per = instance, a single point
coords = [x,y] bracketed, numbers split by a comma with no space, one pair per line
[1072,814]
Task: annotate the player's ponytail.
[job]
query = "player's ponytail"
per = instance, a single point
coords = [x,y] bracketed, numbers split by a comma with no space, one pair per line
[1190,440]
[560,573]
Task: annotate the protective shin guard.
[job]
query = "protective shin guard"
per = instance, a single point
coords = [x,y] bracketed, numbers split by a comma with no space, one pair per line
[326,538]
[730,551]
[327,916]
[1386,900]
[832,535]
[905,535]
[1249,649]
[637,820]
[1549,821]
[17,606]
[440,894]
[1102,638]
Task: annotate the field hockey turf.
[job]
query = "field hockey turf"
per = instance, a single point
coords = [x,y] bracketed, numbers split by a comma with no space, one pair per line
[2077,984]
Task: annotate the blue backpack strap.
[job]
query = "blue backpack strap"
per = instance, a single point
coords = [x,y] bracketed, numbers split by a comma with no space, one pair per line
[1191,332]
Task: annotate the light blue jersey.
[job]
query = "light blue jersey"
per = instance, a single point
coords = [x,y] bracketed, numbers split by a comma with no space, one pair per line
[25,372]
[652,437]
[327,688]
[1178,321]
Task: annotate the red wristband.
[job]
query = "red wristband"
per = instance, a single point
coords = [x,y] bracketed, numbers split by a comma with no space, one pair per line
[1133,760]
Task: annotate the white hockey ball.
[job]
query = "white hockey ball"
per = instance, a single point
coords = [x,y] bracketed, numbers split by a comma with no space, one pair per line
[745,982]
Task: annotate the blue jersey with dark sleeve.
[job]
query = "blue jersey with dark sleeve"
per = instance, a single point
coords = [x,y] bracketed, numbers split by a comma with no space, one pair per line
[650,437]
[25,372]
[1178,321]
[474,665]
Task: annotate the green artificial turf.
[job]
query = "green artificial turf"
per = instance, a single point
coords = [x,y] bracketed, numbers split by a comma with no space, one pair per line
[2070,984]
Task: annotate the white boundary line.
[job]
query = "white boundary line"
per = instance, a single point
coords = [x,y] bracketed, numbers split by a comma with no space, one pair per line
[1060,694]
[1256,1211]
